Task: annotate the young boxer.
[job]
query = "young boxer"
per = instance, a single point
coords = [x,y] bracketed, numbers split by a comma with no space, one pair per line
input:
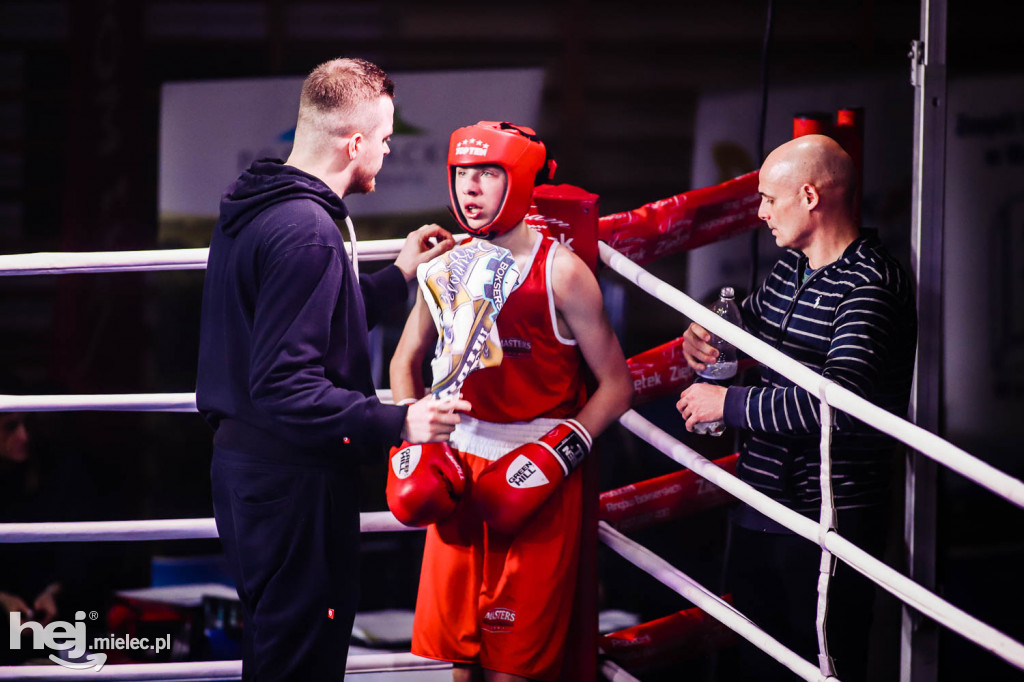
[511,318]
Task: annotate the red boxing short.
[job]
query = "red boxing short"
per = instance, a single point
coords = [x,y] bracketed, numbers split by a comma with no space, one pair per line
[501,601]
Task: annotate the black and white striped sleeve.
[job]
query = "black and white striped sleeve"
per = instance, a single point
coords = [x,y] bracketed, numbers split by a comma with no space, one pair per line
[863,331]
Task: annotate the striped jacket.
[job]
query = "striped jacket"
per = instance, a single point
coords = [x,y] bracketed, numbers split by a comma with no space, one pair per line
[852,321]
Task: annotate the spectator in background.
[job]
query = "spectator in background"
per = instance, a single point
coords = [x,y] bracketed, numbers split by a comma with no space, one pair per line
[32,594]
[38,483]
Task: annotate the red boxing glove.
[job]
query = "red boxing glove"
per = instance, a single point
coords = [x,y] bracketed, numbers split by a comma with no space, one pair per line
[514,487]
[424,483]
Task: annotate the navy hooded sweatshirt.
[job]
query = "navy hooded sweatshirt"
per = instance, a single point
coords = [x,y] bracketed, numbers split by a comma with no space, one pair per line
[284,365]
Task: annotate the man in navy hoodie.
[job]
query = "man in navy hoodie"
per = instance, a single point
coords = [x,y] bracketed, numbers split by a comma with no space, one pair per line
[284,375]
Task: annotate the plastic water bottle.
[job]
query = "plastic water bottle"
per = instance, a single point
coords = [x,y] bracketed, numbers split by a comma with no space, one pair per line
[724,366]
[715,428]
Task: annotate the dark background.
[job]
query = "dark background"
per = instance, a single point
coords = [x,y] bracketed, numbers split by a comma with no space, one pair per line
[79,104]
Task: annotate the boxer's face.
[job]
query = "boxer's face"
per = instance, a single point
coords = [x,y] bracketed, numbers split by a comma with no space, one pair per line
[480,191]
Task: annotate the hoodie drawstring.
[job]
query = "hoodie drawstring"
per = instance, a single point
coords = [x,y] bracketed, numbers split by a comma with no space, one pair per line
[355,249]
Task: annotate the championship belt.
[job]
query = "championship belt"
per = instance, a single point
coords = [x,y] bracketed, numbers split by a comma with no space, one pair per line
[465,289]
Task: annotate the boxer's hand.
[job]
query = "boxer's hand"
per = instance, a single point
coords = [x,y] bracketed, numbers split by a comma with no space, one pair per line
[424,483]
[430,420]
[696,349]
[514,487]
[422,245]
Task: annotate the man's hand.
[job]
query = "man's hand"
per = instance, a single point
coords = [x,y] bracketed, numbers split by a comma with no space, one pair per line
[430,420]
[696,347]
[701,403]
[422,245]
[12,603]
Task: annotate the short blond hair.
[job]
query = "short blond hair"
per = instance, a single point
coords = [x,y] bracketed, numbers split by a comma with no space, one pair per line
[335,96]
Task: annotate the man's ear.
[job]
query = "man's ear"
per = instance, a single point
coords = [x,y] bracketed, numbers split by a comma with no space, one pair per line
[354,144]
[809,196]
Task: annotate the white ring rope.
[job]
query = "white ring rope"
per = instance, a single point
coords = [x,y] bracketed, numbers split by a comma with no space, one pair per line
[124,402]
[49,263]
[831,394]
[826,523]
[72,263]
[613,672]
[155,529]
[211,670]
[891,580]
[712,604]
[929,444]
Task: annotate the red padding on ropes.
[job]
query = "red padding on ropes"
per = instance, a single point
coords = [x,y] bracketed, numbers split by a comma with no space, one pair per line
[659,372]
[666,641]
[662,371]
[664,498]
[685,221]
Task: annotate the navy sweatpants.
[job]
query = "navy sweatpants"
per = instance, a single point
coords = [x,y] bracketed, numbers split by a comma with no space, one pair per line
[291,537]
[773,580]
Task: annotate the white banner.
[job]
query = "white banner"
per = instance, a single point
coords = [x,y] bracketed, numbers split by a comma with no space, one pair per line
[210,131]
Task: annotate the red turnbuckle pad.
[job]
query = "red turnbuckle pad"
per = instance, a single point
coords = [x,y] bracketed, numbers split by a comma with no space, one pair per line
[684,221]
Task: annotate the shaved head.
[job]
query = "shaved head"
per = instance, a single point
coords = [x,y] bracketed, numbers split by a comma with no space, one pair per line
[808,190]
[817,160]
[346,119]
[340,97]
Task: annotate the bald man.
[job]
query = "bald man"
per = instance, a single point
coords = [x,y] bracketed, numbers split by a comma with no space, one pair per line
[840,305]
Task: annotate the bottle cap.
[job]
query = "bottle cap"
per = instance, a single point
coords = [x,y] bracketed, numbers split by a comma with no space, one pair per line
[727,292]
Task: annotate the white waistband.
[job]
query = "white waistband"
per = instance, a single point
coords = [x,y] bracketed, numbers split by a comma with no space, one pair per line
[491,440]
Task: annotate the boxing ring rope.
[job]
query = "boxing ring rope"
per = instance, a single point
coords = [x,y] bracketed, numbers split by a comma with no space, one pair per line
[985,475]
[148,261]
[722,611]
[830,394]
[613,672]
[160,529]
[891,580]
[125,402]
[211,670]
[156,529]
[894,582]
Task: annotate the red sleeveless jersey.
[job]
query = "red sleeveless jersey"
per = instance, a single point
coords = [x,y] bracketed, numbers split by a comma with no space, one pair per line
[540,374]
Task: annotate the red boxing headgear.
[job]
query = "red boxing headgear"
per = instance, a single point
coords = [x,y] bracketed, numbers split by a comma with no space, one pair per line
[517,151]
